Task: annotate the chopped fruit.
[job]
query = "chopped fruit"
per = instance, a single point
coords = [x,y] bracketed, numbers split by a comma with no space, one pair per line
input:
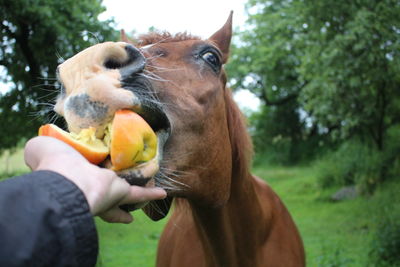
[132,141]
[129,140]
[86,143]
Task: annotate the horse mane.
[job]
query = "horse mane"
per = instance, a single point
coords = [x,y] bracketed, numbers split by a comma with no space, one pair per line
[241,145]
[242,148]
[165,37]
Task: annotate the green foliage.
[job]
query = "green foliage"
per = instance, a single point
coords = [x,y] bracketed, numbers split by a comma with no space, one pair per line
[279,139]
[35,34]
[385,244]
[352,65]
[265,61]
[332,65]
[357,163]
[352,163]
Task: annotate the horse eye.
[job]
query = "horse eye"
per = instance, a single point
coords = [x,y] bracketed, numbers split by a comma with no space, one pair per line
[212,59]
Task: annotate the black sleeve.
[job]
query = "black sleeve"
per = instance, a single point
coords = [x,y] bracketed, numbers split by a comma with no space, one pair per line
[45,221]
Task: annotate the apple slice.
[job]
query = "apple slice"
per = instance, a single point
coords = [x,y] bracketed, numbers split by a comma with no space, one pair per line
[132,140]
[129,140]
[86,143]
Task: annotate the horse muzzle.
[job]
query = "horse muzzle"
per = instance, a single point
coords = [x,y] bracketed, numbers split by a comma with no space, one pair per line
[103,79]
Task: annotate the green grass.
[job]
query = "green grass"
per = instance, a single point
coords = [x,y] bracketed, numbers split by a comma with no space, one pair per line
[334,233]
[134,244]
[12,163]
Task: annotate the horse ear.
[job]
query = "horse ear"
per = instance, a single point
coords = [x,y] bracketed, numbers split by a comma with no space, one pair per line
[123,36]
[222,38]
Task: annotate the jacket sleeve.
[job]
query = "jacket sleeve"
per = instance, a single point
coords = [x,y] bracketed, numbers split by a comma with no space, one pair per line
[45,221]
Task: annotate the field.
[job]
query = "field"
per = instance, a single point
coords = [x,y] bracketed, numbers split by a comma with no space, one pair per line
[334,233]
[12,163]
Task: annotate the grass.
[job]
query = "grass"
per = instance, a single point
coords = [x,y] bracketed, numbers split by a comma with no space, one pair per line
[134,244]
[12,163]
[334,233]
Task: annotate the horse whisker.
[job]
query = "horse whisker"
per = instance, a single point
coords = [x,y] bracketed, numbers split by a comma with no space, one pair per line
[154,77]
[164,176]
[154,207]
[60,58]
[162,69]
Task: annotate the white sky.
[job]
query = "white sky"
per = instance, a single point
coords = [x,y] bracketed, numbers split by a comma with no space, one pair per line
[200,17]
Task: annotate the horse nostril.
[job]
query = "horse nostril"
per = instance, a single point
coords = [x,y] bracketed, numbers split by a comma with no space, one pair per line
[134,54]
[135,63]
[112,64]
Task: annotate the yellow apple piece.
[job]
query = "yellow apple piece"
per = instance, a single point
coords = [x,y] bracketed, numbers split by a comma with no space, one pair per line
[132,140]
[86,143]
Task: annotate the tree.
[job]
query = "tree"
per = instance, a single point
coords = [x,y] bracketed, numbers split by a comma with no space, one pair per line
[36,36]
[338,60]
[266,61]
[352,61]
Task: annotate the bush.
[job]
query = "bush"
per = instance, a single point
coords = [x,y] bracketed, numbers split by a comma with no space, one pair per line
[280,138]
[385,245]
[353,163]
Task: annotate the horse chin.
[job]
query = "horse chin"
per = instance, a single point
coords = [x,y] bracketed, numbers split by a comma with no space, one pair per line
[143,174]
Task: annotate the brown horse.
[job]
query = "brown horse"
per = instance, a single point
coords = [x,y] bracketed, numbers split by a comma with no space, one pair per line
[223,215]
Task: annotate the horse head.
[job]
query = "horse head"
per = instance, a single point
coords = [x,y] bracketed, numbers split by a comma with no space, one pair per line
[177,83]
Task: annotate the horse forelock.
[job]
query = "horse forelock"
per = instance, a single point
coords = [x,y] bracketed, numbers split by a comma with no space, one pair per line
[165,37]
[242,148]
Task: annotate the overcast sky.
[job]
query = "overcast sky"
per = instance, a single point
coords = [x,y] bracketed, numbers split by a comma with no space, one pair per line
[200,17]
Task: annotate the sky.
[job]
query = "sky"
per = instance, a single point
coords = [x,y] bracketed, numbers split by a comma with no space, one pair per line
[200,17]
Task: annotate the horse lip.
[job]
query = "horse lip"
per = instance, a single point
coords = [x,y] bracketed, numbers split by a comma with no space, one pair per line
[150,107]
[136,180]
[152,111]
[141,175]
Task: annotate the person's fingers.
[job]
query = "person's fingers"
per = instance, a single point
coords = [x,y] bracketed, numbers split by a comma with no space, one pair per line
[116,215]
[44,148]
[139,194]
[111,189]
[34,151]
[103,189]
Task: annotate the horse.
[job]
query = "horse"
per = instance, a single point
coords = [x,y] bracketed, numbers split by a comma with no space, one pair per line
[222,215]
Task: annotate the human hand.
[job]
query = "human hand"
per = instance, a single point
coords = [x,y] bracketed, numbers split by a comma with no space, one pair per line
[103,189]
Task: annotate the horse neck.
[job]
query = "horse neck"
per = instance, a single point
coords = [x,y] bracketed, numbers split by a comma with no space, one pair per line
[232,234]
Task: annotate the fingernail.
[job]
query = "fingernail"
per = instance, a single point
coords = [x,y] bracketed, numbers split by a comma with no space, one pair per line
[164,193]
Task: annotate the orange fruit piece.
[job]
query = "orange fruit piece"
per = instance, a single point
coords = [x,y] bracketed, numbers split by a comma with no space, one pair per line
[129,140]
[86,143]
[132,140]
